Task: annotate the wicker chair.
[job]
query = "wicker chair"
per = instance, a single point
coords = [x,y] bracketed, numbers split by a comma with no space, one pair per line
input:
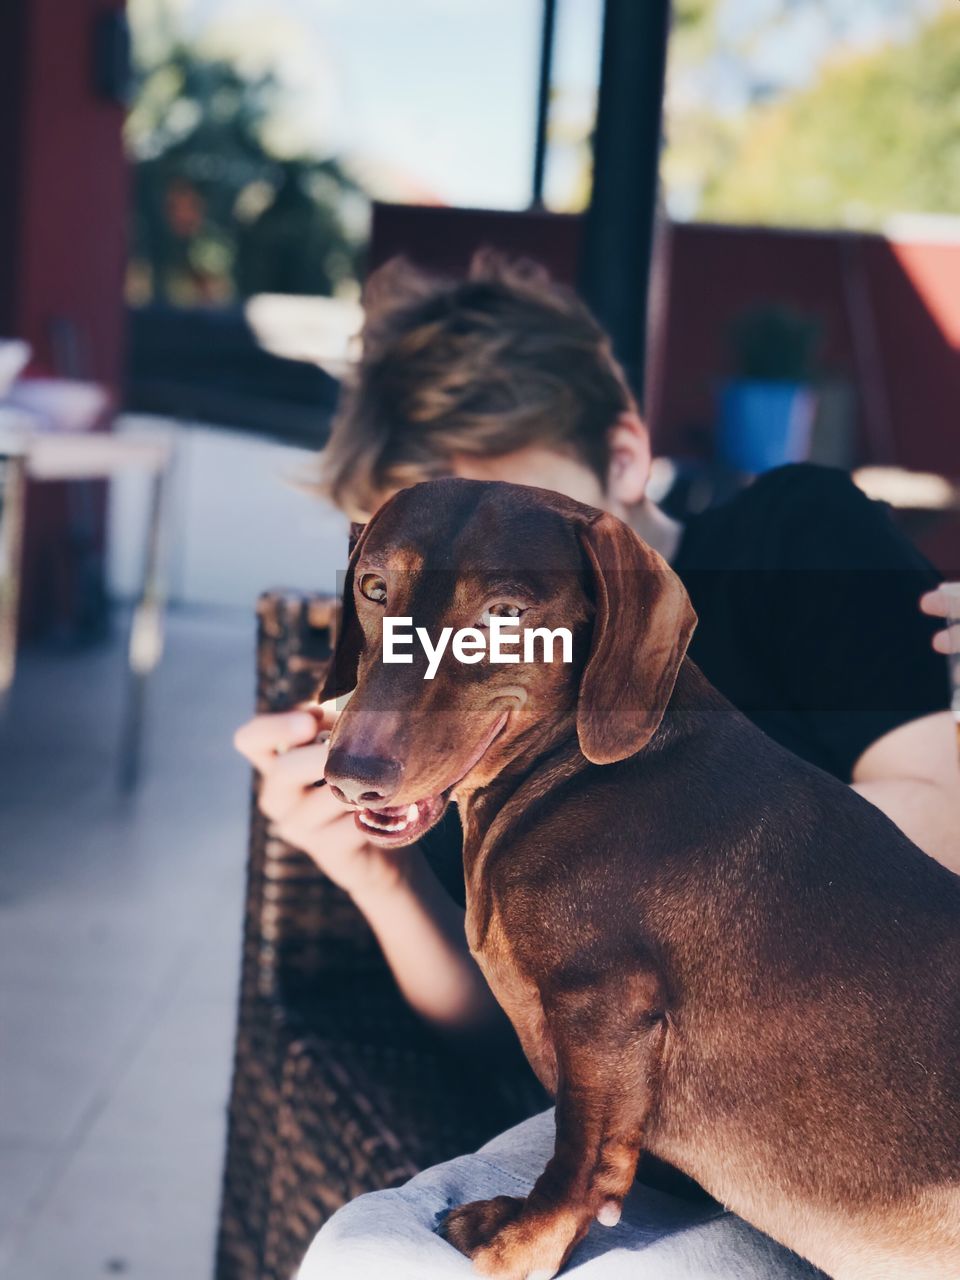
[337,1088]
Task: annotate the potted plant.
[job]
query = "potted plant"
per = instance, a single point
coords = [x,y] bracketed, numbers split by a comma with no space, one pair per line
[769,409]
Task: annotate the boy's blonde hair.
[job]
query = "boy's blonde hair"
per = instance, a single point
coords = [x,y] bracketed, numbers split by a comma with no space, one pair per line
[486,365]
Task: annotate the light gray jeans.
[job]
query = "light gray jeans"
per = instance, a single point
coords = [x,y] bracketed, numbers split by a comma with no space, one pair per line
[392,1235]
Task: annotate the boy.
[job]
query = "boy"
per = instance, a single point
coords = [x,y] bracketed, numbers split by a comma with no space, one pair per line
[808,621]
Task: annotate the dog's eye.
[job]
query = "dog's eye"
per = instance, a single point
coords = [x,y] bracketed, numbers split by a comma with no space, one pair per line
[374,588]
[502,609]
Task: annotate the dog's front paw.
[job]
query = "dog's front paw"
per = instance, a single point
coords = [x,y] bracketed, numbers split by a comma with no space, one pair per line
[506,1239]
[472,1227]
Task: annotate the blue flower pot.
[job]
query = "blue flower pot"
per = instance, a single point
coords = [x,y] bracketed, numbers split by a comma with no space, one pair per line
[765,424]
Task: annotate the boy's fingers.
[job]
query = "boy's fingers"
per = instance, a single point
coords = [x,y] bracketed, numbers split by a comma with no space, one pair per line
[942,601]
[948,641]
[264,737]
[313,812]
[301,767]
[325,713]
[287,777]
[934,603]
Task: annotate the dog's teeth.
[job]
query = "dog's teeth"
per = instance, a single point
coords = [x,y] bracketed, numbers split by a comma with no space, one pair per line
[381,822]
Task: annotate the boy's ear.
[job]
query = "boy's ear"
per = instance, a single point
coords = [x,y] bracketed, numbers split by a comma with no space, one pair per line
[643,624]
[341,674]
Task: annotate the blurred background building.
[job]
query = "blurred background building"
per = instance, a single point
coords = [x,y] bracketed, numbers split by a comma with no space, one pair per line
[194,191]
[234,169]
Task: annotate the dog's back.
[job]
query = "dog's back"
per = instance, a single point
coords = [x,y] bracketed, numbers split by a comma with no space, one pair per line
[812,953]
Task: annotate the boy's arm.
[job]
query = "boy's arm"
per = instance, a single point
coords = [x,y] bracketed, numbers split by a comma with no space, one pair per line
[858,655]
[912,773]
[421,932]
[418,926]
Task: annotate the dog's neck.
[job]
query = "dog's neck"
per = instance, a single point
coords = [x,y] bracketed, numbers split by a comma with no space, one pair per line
[537,750]
[545,761]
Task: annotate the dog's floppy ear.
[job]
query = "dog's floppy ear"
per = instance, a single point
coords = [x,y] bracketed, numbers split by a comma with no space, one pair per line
[643,624]
[341,674]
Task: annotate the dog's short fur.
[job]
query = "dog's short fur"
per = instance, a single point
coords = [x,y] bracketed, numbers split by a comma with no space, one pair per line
[711,951]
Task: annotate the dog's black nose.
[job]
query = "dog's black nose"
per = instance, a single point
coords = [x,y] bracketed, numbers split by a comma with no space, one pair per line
[362,780]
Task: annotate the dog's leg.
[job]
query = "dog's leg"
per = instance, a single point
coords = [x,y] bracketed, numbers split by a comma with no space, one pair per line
[608,1067]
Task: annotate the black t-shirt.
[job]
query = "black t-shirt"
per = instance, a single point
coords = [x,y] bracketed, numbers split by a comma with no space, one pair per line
[807,597]
[808,602]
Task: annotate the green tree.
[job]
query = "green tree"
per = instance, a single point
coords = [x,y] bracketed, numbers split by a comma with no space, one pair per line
[215,213]
[876,135]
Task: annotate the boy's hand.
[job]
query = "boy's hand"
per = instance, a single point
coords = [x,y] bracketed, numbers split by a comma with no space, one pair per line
[941,604]
[285,750]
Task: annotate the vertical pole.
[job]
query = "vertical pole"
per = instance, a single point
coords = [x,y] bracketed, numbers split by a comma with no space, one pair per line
[618,237]
[146,637]
[543,99]
[13,479]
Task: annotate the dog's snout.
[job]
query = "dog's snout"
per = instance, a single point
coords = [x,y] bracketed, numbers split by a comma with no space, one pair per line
[362,780]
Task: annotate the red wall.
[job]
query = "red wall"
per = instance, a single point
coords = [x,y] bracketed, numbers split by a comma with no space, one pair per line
[915,292]
[63,215]
[714,274]
[65,212]
[890,317]
[443,240]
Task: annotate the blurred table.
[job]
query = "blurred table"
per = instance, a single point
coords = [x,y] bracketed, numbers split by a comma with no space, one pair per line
[921,500]
[33,451]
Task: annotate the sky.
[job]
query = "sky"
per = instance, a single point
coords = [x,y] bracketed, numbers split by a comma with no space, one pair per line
[435,95]
[775,46]
[435,99]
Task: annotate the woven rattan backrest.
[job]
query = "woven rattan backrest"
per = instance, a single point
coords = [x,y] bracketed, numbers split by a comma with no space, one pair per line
[299,925]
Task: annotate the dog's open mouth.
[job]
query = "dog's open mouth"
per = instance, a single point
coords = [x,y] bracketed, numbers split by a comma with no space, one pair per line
[405,823]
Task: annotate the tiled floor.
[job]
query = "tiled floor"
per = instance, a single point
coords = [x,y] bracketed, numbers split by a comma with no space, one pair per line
[119,951]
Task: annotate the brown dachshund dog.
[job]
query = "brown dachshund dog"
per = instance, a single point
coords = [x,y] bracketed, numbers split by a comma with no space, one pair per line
[711,951]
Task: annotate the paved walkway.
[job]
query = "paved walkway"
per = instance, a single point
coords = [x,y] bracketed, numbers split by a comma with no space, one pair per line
[119,953]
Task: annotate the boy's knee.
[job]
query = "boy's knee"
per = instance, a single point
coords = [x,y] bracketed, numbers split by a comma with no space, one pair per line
[395,1233]
[355,1230]
[382,1234]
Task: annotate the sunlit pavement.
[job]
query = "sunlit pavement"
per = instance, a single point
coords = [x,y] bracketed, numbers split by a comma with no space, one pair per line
[119,954]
